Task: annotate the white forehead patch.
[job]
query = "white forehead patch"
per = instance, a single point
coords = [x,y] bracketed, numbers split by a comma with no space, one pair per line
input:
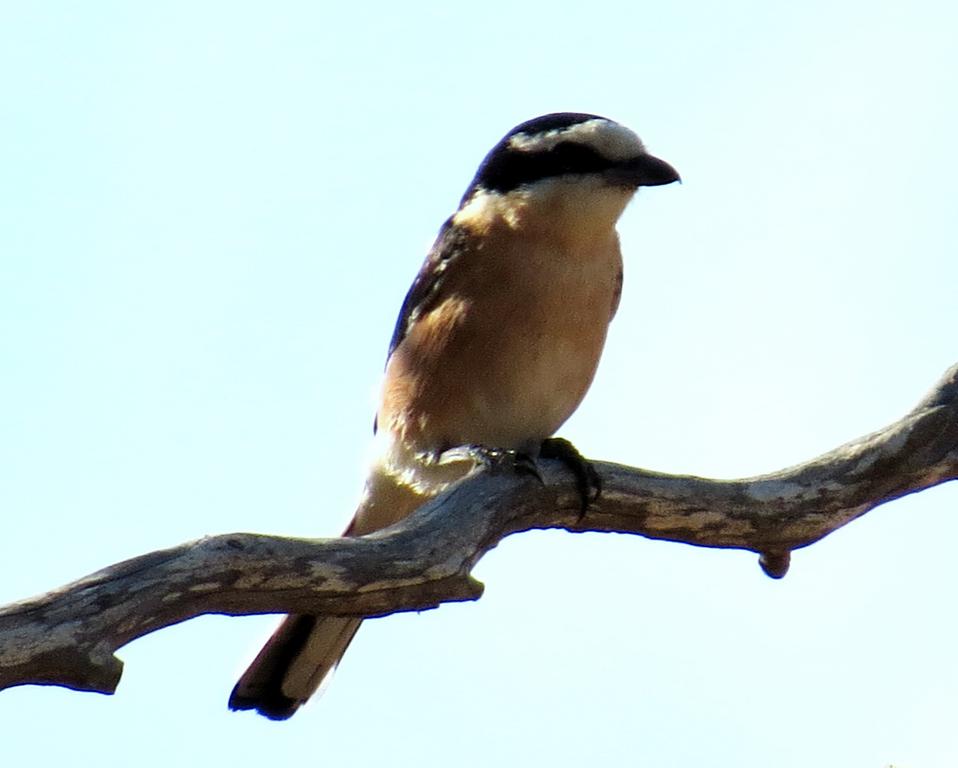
[609,139]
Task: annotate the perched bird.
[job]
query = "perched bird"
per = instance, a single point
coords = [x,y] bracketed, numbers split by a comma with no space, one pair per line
[496,344]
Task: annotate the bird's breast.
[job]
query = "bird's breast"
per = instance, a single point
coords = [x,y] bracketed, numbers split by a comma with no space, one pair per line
[509,350]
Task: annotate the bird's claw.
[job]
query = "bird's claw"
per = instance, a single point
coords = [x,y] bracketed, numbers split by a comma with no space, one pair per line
[587,480]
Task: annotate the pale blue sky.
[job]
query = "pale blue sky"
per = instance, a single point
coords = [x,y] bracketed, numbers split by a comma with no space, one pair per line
[209,215]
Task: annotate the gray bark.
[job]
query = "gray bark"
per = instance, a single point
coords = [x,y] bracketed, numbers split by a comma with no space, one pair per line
[68,636]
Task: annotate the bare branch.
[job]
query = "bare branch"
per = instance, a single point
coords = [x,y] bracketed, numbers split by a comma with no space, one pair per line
[68,636]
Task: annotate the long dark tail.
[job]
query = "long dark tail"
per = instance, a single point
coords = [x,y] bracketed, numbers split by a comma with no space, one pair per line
[301,654]
[304,650]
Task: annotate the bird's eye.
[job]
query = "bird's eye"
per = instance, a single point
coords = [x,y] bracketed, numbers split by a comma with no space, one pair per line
[507,169]
[570,157]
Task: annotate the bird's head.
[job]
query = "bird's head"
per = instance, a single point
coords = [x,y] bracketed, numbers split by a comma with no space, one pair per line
[570,164]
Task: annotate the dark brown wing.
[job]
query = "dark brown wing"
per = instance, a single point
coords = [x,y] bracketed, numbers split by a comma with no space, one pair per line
[450,243]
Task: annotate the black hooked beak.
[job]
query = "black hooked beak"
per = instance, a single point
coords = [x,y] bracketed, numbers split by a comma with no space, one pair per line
[646,171]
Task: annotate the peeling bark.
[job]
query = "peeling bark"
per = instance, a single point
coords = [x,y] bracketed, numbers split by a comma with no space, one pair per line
[68,636]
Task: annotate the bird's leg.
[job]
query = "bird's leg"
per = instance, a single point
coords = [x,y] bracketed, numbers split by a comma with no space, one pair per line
[497,459]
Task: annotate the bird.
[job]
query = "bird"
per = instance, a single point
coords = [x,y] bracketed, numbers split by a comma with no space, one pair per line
[496,343]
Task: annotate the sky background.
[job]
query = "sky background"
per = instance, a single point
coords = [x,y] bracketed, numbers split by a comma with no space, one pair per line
[209,216]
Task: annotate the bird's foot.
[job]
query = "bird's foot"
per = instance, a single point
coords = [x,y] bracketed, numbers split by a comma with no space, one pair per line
[587,480]
[497,459]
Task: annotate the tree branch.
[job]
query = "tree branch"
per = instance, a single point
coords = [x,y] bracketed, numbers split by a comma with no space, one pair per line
[68,636]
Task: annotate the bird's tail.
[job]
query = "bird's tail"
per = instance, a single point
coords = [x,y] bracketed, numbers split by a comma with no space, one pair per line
[304,650]
[301,654]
